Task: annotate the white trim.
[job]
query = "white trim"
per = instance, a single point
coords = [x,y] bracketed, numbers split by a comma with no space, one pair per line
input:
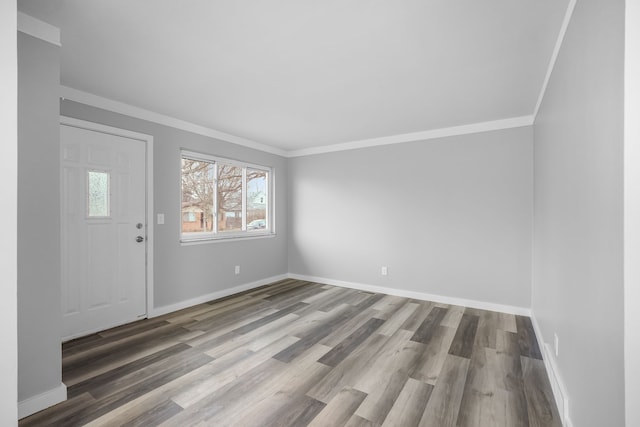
[510,309]
[148,140]
[42,401]
[553,373]
[38,29]
[632,213]
[509,123]
[142,114]
[554,56]
[213,296]
[9,217]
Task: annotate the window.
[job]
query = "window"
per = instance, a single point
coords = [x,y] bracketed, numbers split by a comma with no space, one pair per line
[224,198]
[98,194]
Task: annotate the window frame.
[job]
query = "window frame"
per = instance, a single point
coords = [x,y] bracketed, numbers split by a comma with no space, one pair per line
[215,235]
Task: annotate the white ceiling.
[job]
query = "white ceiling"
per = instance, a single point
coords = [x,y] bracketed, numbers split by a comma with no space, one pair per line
[296,74]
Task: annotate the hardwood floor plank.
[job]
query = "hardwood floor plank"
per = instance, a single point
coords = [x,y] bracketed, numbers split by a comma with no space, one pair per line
[408,408]
[541,406]
[527,338]
[235,367]
[388,305]
[276,401]
[507,322]
[344,348]
[310,290]
[396,320]
[253,340]
[356,421]
[298,353]
[350,370]
[153,416]
[347,327]
[105,361]
[335,300]
[212,404]
[487,329]
[462,344]
[300,413]
[425,331]
[121,371]
[318,333]
[379,402]
[340,409]
[507,343]
[428,367]
[453,316]
[111,346]
[269,318]
[414,321]
[386,375]
[444,403]
[478,407]
[64,410]
[510,387]
[113,401]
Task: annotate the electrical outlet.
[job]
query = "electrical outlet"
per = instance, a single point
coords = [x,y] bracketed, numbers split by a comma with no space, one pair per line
[555,343]
[384,271]
[237,269]
[160,219]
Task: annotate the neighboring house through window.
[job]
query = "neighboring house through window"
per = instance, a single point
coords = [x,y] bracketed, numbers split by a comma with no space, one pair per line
[223,198]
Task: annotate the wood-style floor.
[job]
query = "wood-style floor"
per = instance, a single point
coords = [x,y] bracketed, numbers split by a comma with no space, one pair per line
[297,353]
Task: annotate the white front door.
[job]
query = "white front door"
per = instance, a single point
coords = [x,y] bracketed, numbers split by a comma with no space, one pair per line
[103,230]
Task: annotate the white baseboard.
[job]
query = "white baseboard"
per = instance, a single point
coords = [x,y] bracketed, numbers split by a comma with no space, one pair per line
[159,311]
[557,386]
[482,305]
[42,401]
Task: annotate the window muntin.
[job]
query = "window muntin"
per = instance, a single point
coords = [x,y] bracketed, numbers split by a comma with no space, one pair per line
[223,198]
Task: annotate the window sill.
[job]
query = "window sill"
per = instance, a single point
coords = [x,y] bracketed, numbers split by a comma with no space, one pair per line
[220,239]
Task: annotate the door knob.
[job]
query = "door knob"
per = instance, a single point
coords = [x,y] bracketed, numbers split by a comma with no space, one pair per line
[139,239]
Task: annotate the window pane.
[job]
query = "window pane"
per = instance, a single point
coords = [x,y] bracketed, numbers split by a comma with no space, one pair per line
[98,194]
[197,195]
[229,198]
[256,199]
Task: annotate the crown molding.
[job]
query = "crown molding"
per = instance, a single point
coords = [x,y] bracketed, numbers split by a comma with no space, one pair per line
[510,123]
[554,56]
[151,116]
[34,27]
[140,113]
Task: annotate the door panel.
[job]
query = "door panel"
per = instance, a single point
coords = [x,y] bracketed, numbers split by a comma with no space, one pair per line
[103,200]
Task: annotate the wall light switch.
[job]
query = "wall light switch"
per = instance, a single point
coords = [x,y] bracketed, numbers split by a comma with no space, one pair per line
[160,219]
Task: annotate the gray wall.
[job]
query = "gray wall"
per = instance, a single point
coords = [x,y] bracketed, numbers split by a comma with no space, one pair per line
[39,355]
[450,216]
[578,226]
[185,272]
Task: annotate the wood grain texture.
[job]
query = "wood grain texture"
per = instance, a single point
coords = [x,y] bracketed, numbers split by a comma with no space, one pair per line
[296,353]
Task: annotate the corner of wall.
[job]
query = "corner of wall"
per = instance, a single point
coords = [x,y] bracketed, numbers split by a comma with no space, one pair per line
[553,373]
